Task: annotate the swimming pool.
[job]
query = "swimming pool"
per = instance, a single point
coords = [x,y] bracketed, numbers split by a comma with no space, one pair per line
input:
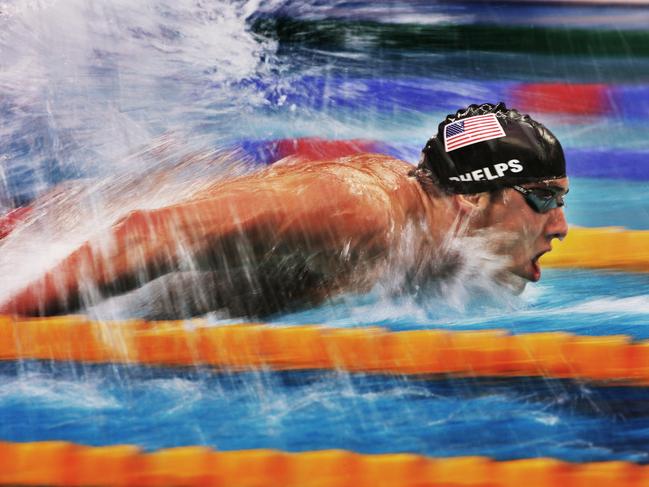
[107,82]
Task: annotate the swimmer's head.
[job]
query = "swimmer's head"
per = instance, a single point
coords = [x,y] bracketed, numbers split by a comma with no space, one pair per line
[488,147]
[505,173]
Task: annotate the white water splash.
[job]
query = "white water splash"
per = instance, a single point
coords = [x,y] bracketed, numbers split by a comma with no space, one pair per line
[81,211]
[84,83]
[634,305]
[463,269]
[56,393]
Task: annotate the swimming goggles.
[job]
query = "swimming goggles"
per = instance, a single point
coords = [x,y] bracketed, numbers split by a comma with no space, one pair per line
[542,200]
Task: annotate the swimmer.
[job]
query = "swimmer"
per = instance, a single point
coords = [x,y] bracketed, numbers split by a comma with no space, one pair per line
[298,233]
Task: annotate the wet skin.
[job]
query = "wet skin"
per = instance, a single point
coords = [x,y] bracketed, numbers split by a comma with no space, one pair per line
[287,237]
[527,233]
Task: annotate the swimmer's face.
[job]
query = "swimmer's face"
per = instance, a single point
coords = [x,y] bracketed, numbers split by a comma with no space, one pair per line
[527,234]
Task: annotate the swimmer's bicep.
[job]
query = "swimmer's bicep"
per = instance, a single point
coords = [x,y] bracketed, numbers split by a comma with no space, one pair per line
[94,263]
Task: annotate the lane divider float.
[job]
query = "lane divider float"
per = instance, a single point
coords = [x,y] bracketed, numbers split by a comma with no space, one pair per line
[610,359]
[58,463]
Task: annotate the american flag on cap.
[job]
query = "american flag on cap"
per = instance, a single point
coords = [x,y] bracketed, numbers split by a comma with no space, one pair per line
[472,130]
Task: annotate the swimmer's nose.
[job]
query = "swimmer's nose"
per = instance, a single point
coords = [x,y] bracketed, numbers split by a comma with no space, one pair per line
[557,226]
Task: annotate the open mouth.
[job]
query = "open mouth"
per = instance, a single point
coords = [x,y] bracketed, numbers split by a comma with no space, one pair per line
[536,267]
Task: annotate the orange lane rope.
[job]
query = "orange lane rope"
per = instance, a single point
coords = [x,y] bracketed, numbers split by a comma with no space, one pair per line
[372,349]
[59,463]
[602,248]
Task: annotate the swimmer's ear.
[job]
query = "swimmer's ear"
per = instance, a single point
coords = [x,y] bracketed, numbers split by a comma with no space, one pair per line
[472,203]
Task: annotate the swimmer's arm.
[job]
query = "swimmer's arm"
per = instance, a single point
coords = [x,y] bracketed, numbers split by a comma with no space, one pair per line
[313,211]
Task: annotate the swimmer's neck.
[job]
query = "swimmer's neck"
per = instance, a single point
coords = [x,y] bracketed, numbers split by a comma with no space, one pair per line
[441,213]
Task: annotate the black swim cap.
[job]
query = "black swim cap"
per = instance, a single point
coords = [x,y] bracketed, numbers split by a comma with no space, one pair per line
[486,147]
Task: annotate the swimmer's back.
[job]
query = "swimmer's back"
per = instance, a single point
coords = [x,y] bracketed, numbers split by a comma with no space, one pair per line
[308,224]
[377,182]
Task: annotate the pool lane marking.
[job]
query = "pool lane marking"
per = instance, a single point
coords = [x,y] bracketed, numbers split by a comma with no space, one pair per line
[485,353]
[58,463]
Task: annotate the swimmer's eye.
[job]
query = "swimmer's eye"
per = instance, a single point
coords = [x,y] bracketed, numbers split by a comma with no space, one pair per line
[544,194]
[542,200]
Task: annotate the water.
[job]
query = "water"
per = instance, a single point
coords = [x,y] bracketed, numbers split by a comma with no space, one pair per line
[305,411]
[139,106]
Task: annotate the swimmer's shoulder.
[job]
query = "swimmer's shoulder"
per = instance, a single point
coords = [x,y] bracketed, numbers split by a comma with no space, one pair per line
[380,167]
[364,159]
[365,176]
[358,178]
[393,175]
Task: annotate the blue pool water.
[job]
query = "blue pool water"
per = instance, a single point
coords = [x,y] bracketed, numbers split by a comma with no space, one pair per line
[582,302]
[110,85]
[156,408]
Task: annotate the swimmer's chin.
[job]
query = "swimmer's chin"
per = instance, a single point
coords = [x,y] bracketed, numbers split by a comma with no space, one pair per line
[512,282]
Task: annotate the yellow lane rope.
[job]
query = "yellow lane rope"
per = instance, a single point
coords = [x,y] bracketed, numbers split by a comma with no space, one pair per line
[601,248]
[68,464]
[371,349]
